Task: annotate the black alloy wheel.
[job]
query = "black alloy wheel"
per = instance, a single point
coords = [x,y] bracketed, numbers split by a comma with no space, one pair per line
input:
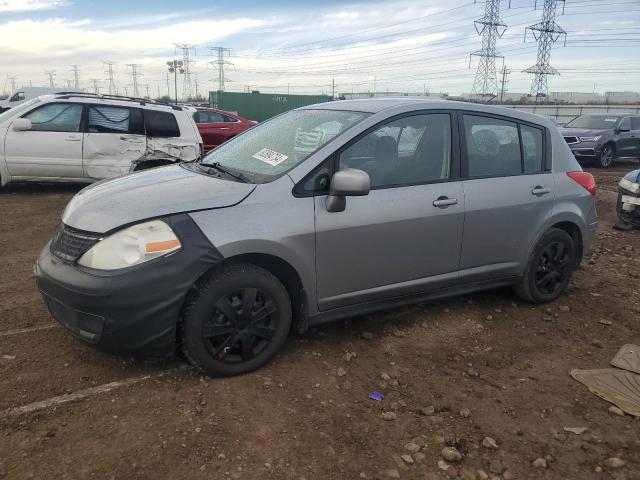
[549,269]
[242,325]
[554,267]
[235,320]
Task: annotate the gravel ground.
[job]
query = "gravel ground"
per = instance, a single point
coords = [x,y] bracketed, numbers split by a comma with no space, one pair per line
[481,380]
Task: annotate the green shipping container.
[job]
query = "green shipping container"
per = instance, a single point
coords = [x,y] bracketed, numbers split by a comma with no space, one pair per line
[261,106]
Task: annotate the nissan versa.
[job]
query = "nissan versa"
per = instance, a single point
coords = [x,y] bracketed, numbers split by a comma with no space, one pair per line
[324,212]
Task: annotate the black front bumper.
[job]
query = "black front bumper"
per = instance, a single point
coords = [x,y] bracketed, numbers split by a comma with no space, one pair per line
[136,308]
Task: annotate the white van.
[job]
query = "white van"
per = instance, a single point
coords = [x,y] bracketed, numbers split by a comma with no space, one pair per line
[27,93]
[82,137]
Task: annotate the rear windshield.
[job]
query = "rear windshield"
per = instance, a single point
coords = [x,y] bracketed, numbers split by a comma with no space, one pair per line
[274,147]
[594,121]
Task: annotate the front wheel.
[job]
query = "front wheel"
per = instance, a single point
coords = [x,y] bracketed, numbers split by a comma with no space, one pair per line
[235,320]
[605,159]
[549,269]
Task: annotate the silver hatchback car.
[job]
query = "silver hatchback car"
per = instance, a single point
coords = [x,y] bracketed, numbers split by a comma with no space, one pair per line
[321,213]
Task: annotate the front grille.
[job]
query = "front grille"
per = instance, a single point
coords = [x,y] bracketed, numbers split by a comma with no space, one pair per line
[571,140]
[69,244]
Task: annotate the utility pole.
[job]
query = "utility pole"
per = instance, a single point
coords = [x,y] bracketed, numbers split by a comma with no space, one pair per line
[490,27]
[13,84]
[112,83]
[187,88]
[168,88]
[135,74]
[96,89]
[546,33]
[50,75]
[503,85]
[333,88]
[76,76]
[147,90]
[221,63]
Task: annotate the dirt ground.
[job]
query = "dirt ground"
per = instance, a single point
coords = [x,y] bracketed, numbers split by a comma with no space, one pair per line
[453,372]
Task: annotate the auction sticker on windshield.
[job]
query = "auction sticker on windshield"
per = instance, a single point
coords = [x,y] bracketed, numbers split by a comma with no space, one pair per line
[271,157]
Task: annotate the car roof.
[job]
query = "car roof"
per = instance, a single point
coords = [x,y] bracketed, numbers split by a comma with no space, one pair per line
[407,104]
[114,100]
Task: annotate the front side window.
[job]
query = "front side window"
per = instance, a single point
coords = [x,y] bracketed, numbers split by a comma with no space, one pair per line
[274,147]
[625,124]
[56,117]
[493,146]
[408,151]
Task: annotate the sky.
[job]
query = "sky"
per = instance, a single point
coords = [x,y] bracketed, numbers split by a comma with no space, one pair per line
[307,47]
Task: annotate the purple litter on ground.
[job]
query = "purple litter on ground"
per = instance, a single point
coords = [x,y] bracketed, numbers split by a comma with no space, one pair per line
[377,396]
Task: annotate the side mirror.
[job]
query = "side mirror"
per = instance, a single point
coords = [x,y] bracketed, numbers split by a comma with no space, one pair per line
[622,129]
[348,182]
[21,124]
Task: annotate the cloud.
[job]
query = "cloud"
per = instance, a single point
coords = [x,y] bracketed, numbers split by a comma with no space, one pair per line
[27,5]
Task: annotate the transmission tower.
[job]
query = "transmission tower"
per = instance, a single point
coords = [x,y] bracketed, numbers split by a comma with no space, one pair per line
[135,74]
[490,27]
[96,88]
[76,76]
[221,63]
[13,84]
[50,75]
[505,72]
[546,33]
[112,83]
[187,87]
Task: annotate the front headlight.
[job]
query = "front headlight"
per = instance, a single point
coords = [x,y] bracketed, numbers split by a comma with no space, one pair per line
[629,186]
[590,139]
[132,246]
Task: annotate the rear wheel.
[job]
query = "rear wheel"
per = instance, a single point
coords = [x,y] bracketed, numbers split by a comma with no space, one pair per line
[605,159]
[236,320]
[549,269]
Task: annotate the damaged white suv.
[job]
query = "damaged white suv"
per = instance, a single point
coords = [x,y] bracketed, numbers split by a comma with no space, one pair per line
[82,137]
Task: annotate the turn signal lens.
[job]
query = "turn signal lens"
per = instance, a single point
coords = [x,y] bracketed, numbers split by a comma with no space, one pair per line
[585,180]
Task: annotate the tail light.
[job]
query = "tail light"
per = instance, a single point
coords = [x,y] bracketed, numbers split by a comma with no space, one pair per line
[585,180]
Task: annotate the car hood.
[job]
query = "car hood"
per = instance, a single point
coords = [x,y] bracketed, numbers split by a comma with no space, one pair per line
[157,192]
[632,176]
[583,132]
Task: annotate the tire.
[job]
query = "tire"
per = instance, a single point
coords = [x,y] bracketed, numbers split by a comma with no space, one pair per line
[549,269]
[217,336]
[605,159]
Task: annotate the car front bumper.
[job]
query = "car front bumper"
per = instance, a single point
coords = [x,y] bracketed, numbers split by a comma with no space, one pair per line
[585,150]
[133,309]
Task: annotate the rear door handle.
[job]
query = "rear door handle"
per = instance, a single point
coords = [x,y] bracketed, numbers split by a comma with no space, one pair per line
[538,190]
[442,202]
[73,139]
[223,128]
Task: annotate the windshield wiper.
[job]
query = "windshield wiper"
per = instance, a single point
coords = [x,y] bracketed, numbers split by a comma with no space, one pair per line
[236,175]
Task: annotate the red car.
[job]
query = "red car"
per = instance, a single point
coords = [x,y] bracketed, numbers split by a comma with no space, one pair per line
[217,126]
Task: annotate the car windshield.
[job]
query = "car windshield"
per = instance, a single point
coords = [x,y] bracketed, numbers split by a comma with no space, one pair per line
[17,110]
[274,147]
[594,121]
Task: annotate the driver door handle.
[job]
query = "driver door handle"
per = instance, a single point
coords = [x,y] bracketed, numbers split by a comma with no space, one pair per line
[444,201]
[538,190]
[73,139]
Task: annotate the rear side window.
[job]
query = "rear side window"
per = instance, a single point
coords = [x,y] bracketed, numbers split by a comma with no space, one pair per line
[56,117]
[493,146]
[107,119]
[532,146]
[160,124]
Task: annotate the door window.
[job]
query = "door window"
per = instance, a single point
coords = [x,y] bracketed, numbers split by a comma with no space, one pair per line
[408,151]
[108,119]
[625,124]
[493,146]
[532,146]
[17,97]
[56,117]
[635,123]
[209,117]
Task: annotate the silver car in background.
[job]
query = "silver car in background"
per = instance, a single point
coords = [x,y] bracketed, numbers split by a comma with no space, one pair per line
[321,213]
